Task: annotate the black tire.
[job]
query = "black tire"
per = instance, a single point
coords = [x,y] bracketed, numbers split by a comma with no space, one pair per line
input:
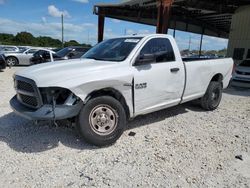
[11,61]
[93,114]
[211,100]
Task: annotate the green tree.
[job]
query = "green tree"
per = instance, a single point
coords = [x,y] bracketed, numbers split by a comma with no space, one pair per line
[25,38]
[71,43]
[6,38]
[48,42]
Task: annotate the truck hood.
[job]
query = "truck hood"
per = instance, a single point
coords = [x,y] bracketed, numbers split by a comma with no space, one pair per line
[70,71]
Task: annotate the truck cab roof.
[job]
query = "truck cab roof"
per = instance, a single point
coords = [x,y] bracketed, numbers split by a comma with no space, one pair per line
[145,36]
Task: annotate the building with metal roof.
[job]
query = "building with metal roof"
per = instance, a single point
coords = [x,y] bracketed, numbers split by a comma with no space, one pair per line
[211,18]
[239,37]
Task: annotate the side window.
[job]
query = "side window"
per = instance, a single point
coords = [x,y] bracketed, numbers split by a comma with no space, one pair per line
[161,48]
[72,54]
[79,54]
[80,50]
[9,49]
[46,55]
[40,53]
[32,51]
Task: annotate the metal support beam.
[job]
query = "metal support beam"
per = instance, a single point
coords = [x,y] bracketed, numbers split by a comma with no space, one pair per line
[166,19]
[163,18]
[101,21]
[174,29]
[201,41]
[159,18]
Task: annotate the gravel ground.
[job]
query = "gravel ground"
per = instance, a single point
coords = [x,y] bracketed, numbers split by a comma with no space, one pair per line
[178,147]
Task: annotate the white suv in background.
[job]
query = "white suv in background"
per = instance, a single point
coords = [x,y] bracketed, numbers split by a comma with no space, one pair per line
[241,76]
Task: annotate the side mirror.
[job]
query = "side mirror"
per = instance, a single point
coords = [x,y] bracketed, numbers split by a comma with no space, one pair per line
[145,59]
[160,54]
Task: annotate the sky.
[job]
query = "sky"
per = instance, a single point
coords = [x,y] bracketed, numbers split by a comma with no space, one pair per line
[42,18]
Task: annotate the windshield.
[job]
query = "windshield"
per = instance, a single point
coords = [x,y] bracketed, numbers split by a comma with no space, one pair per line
[22,49]
[112,49]
[64,52]
[245,63]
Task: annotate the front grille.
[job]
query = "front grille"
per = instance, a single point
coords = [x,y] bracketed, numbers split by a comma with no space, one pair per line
[243,73]
[31,101]
[27,92]
[242,81]
[21,85]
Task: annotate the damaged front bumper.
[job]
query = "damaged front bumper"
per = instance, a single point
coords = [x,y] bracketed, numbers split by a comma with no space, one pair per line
[46,112]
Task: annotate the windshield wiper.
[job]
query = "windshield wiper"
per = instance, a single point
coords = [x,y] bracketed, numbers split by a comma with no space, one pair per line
[97,59]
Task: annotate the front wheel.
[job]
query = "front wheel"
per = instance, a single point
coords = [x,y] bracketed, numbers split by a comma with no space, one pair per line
[12,61]
[101,121]
[212,98]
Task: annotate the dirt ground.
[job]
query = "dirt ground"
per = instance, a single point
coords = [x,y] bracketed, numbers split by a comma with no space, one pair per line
[182,146]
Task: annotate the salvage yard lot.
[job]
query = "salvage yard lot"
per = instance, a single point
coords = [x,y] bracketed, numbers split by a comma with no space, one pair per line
[177,147]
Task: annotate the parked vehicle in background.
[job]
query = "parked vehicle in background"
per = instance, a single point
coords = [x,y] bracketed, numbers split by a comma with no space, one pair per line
[23,48]
[241,76]
[73,52]
[20,58]
[3,63]
[42,56]
[6,49]
[56,49]
[118,80]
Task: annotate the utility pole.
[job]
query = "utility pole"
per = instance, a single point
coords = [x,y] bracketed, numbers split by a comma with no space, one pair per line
[62,33]
[200,48]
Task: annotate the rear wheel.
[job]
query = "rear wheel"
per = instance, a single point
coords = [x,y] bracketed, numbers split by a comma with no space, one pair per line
[12,61]
[101,121]
[212,98]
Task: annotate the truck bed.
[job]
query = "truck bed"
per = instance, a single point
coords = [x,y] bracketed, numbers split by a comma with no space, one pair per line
[197,59]
[200,72]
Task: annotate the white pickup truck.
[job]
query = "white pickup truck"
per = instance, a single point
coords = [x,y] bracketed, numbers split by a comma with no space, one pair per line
[116,81]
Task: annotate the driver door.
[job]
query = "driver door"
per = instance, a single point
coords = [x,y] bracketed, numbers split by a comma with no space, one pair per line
[25,57]
[160,83]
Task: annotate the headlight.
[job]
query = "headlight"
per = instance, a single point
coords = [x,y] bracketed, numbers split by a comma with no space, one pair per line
[60,95]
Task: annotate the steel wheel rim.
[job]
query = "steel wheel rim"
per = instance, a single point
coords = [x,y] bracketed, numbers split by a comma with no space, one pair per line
[215,96]
[103,120]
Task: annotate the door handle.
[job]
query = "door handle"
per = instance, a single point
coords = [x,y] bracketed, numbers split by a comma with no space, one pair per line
[174,69]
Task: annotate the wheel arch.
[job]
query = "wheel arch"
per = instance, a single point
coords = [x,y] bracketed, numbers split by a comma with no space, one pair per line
[112,93]
[217,78]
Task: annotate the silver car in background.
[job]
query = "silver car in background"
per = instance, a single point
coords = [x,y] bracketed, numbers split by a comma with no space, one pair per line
[20,58]
[5,49]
